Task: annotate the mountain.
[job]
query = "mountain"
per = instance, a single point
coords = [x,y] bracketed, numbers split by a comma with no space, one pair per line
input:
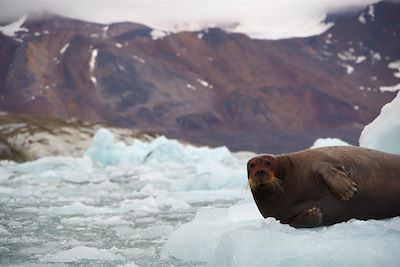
[209,87]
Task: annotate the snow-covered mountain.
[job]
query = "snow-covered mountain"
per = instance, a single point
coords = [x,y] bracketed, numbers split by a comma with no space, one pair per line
[209,87]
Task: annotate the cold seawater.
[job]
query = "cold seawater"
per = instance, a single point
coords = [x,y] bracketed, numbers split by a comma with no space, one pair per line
[163,204]
[116,205]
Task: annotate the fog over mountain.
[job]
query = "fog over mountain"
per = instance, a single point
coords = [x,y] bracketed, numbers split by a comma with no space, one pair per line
[257,19]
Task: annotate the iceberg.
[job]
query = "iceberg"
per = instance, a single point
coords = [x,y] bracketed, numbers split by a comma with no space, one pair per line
[384,132]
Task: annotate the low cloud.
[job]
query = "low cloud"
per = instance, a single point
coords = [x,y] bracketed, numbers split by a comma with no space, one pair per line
[257,19]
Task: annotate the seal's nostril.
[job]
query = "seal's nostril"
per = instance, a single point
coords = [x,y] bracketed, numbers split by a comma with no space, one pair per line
[260,173]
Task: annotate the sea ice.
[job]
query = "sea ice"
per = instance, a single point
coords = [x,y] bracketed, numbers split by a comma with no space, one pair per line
[143,202]
[238,236]
[80,253]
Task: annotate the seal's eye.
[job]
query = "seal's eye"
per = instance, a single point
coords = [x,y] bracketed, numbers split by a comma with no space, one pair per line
[251,165]
[268,163]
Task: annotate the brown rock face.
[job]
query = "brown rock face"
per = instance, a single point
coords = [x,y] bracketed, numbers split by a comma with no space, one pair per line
[208,87]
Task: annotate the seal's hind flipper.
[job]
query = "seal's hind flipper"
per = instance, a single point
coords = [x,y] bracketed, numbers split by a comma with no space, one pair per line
[307,219]
[337,180]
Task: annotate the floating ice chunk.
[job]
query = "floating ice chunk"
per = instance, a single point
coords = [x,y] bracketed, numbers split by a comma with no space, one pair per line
[3,230]
[6,190]
[215,177]
[69,169]
[237,237]
[148,204]
[153,204]
[244,211]
[131,264]
[171,203]
[323,142]
[273,244]
[138,252]
[78,208]
[206,229]
[81,253]
[384,132]
[152,232]
[114,220]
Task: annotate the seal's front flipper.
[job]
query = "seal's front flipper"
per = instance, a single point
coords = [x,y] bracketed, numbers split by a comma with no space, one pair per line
[337,180]
[307,219]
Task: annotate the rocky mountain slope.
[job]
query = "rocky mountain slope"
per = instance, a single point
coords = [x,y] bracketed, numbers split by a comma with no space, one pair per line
[208,87]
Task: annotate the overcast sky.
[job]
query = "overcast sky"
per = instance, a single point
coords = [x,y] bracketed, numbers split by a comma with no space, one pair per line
[258,19]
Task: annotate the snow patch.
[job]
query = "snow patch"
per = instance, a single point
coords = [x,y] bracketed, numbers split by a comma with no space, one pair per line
[396,66]
[362,19]
[158,34]
[93,79]
[360,59]
[64,48]
[383,133]
[376,57]
[13,28]
[92,62]
[390,88]
[204,83]
[371,11]
[190,86]
[349,69]
[92,65]
[119,45]
[139,59]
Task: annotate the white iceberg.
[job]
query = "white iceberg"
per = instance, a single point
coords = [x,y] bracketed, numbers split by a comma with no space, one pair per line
[384,132]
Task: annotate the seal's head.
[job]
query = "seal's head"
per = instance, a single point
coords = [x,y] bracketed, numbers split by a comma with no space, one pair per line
[262,175]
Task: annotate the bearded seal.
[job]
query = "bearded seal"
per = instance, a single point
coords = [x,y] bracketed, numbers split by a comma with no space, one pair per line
[324,186]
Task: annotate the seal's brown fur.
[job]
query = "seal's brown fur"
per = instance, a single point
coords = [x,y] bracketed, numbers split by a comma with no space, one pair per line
[328,185]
